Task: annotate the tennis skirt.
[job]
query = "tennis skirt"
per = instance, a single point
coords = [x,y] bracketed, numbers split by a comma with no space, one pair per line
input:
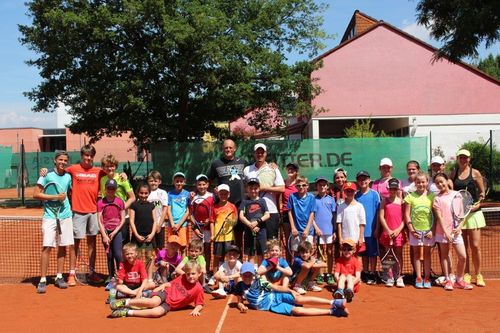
[475,221]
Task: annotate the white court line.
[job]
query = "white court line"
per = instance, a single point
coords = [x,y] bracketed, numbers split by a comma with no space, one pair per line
[224,314]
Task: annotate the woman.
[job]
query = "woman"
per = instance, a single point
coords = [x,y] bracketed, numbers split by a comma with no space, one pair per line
[292,171]
[380,185]
[466,178]
[339,179]
[412,169]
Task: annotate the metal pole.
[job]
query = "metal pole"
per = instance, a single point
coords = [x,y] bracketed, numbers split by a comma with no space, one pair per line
[490,174]
[22,172]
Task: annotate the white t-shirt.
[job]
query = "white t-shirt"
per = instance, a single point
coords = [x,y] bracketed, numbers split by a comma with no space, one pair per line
[159,198]
[351,217]
[252,171]
[224,268]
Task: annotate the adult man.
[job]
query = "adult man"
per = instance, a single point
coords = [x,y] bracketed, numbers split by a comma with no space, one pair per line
[271,185]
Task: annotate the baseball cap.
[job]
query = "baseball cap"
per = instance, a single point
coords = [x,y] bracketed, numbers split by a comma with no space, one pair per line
[340,170]
[233,248]
[349,242]
[349,186]
[111,183]
[174,239]
[464,152]
[223,187]
[201,177]
[320,178]
[386,161]
[293,165]
[362,173]
[253,181]
[437,160]
[259,145]
[247,267]
[393,183]
[179,174]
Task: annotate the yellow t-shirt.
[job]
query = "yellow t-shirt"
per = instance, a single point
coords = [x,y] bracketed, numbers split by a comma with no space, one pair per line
[421,210]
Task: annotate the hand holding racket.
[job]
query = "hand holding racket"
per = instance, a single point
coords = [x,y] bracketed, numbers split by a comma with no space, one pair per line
[56,202]
[461,206]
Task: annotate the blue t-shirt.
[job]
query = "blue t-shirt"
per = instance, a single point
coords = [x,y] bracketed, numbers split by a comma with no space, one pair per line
[64,181]
[179,203]
[273,276]
[371,203]
[325,207]
[258,297]
[301,209]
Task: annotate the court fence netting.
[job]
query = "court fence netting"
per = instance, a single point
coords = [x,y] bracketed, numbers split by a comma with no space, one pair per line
[21,244]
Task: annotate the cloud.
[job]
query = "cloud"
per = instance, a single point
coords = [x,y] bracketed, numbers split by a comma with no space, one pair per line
[419,31]
[20,115]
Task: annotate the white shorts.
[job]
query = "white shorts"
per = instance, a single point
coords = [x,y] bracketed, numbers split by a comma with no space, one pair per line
[50,236]
[85,224]
[207,235]
[457,240]
[294,244]
[421,241]
[326,239]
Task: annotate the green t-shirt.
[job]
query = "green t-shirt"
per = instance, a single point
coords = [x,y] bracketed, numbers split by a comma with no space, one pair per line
[122,190]
[421,210]
[200,260]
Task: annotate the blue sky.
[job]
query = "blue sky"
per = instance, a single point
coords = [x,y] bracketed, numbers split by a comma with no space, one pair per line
[16,77]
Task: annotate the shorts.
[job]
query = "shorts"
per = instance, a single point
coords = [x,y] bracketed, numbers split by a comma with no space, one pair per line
[159,239]
[181,232]
[282,303]
[261,245]
[220,248]
[273,226]
[371,247]
[285,219]
[326,239]
[145,251]
[50,236]
[441,238]
[294,244]
[163,297]
[400,239]
[422,241]
[85,224]
[475,220]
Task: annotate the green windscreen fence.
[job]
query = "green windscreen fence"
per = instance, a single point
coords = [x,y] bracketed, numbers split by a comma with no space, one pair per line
[315,157]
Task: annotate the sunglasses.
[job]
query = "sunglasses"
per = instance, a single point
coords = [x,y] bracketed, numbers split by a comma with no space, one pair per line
[346,249]
[303,185]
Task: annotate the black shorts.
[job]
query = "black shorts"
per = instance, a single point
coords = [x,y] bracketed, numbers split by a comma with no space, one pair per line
[163,297]
[273,225]
[220,248]
[261,245]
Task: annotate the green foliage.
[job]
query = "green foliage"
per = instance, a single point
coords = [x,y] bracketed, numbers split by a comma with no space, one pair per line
[461,24]
[171,69]
[363,128]
[490,65]
[480,159]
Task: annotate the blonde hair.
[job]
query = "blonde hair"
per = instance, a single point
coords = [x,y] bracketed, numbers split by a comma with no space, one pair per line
[109,159]
[272,243]
[129,247]
[154,174]
[196,244]
[302,179]
[192,265]
[422,174]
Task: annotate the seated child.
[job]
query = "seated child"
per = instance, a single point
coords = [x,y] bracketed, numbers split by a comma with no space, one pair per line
[275,268]
[347,271]
[306,268]
[167,260]
[180,293]
[261,295]
[195,250]
[228,272]
[132,275]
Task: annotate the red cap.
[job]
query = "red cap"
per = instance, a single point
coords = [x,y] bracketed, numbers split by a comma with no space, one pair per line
[349,186]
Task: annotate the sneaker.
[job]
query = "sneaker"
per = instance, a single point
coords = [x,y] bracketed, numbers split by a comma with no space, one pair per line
[349,295]
[118,304]
[330,280]
[467,278]
[219,293]
[300,290]
[419,283]
[338,294]
[400,282]
[59,283]
[480,281]
[371,279]
[313,287]
[71,280]
[211,281]
[207,289]
[389,283]
[93,278]
[427,284]
[119,313]
[41,288]
[320,279]
[109,285]
[448,285]
[364,276]
[462,285]
[453,278]
[338,308]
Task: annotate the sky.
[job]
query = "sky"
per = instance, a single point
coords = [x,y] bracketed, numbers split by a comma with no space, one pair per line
[16,77]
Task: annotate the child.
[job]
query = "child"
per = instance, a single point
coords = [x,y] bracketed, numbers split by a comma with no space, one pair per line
[302,206]
[223,220]
[347,271]
[178,212]
[306,268]
[447,234]
[178,294]
[371,204]
[167,260]
[132,275]
[201,207]
[324,218]
[351,218]
[143,225]
[228,272]
[110,223]
[253,214]
[391,222]
[195,250]
[261,295]
[275,268]
[159,198]
[420,198]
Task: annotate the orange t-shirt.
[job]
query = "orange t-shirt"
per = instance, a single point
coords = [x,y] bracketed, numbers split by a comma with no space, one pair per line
[85,188]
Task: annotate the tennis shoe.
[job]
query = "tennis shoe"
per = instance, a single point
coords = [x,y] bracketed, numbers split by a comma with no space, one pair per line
[427,284]
[389,283]
[480,281]
[330,280]
[462,285]
[338,294]
[207,289]
[71,280]
[349,295]
[371,279]
[59,283]
[448,285]
[419,283]
[41,288]
[119,313]
[211,281]
[300,290]
[118,304]
[313,287]
[400,282]
[467,278]
[95,279]
[109,285]
[453,278]
[339,312]
[219,294]
[320,279]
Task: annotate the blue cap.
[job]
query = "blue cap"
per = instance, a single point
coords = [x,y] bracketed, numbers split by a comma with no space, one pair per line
[253,180]
[320,178]
[247,267]
[111,183]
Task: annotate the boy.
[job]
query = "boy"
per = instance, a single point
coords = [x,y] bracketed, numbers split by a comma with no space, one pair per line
[195,249]
[347,271]
[159,198]
[228,272]
[305,269]
[302,206]
[201,207]
[261,295]
[132,275]
[254,214]
[51,237]
[178,294]
[275,268]
[324,219]
[371,203]
[351,218]
[178,212]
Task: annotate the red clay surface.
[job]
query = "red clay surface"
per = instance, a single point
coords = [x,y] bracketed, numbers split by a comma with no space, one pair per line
[374,309]
[11,193]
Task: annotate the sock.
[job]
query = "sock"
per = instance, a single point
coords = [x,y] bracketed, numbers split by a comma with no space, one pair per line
[127,302]
[130,313]
[72,272]
[43,279]
[59,276]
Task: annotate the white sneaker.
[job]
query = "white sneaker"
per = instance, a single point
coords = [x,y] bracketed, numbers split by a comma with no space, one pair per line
[453,278]
[219,293]
[400,283]
[300,290]
[389,283]
[312,286]
[211,282]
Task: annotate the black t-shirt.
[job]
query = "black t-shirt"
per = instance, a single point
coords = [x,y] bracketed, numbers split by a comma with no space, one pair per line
[230,172]
[240,288]
[254,209]
[143,216]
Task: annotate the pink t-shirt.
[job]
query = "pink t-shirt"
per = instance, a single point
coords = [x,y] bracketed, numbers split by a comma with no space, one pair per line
[393,214]
[289,189]
[380,185]
[443,203]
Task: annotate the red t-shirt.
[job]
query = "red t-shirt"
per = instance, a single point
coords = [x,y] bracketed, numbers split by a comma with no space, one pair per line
[347,266]
[181,293]
[132,274]
[85,188]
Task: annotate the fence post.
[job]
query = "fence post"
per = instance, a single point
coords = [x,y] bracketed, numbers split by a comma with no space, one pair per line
[490,175]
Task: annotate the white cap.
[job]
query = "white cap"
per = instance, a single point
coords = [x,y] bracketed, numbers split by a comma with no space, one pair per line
[201,176]
[437,159]
[223,187]
[259,145]
[385,161]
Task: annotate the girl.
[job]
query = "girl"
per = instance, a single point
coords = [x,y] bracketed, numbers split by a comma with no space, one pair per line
[380,185]
[421,198]
[408,184]
[391,221]
[339,179]
[275,268]
[446,234]
[467,178]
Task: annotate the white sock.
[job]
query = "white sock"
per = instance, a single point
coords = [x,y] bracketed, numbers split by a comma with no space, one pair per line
[130,313]
[59,276]
[72,272]
[127,302]
[43,279]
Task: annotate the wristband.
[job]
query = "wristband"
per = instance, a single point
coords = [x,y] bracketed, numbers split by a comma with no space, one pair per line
[259,220]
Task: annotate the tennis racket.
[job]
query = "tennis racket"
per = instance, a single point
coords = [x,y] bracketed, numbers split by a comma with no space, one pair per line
[423,220]
[111,217]
[54,205]
[293,244]
[164,273]
[266,176]
[82,269]
[319,250]
[227,226]
[201,212]
[461,206]
[389,262]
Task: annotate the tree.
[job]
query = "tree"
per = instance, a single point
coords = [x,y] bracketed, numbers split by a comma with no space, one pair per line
[363,128]
[461,24]
[171,69]
[480,159]
[490,65]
